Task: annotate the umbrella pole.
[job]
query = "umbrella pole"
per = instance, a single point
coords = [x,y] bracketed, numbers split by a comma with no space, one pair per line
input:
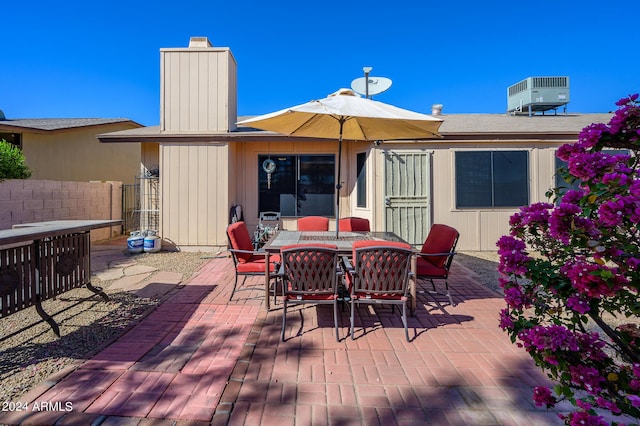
[338,184]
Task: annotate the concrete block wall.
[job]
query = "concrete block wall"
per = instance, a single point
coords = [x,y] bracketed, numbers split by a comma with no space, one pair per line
[25,201]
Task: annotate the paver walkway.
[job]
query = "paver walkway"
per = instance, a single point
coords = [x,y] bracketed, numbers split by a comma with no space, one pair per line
[200,358]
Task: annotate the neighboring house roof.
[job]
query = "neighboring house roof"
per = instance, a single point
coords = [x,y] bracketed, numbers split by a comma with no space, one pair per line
[454,126]
[52,124]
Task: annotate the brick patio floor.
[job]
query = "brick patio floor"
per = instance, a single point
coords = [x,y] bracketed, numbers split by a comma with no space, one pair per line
[202,359]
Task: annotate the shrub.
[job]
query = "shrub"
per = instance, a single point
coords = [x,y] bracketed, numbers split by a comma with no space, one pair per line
[12,162]
[570,272]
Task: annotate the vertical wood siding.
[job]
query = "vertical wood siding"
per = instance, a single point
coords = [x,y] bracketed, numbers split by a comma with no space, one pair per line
[198,91]
[194,182]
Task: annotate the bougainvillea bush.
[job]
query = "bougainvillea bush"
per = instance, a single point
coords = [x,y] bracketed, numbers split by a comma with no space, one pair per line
[570,271]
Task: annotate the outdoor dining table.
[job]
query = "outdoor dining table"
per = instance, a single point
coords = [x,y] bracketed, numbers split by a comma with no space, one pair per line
[344,243]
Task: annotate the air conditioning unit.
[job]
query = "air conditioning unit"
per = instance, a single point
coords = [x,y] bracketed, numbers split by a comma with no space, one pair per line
[537,94]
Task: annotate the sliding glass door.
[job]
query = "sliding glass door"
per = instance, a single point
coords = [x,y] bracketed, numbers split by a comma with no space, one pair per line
[297,185]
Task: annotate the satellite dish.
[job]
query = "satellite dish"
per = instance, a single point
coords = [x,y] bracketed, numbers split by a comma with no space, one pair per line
[376,85]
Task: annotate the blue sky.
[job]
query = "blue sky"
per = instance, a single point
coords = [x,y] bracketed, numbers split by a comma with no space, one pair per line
[98,59]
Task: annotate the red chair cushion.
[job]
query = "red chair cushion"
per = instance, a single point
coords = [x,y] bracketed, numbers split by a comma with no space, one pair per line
[424,268]
[313,223]
[240,240]
[356,224]
[256,263]
[441,239]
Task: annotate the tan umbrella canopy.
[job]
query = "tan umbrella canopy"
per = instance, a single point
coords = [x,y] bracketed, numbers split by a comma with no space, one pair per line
[345,115]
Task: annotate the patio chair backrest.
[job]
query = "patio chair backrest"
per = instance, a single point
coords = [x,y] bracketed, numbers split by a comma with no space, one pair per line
[313,223]
[239,239]
[381,267]
[269,216]
[441,239]
[355,224]
[310,269]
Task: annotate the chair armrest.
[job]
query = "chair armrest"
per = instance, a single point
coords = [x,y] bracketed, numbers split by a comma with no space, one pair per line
[346,264]
[435,254]
[246,251]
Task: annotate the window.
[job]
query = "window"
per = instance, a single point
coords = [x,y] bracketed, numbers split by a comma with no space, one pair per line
[361,183]
[565,186]
[300,185]
[12,138]
[492,178]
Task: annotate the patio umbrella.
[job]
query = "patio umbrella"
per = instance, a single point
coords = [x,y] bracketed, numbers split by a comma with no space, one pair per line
[345,115]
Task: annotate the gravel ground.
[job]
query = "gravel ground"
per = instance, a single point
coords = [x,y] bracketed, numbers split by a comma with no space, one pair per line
[30,353]
[484,264]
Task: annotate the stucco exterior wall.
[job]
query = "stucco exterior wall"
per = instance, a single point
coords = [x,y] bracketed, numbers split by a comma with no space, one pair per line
[26,201]
[77,155]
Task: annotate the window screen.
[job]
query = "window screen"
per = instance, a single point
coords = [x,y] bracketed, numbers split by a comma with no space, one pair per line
[492,178]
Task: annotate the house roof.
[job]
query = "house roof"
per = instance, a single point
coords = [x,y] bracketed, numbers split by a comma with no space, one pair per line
[518,124]
[53,124]
[454,126]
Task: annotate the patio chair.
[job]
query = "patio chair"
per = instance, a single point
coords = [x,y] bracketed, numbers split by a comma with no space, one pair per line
[354,224]
[309,274]
[436,256]
[246,260]
[313,223]
[379,273]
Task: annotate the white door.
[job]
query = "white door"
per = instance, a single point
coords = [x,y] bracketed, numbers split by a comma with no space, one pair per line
[407,194]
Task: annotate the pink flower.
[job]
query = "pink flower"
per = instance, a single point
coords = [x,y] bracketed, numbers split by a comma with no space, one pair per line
[589,278]
[628,100]
[514,297]
[613,212]
[577,304]
[513,258]
[587,377]
[542,396]
[506,323]
[609,405]
[591,346]
[634,399]
[561,221]
[590,135]
[549,338]
[581,418]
